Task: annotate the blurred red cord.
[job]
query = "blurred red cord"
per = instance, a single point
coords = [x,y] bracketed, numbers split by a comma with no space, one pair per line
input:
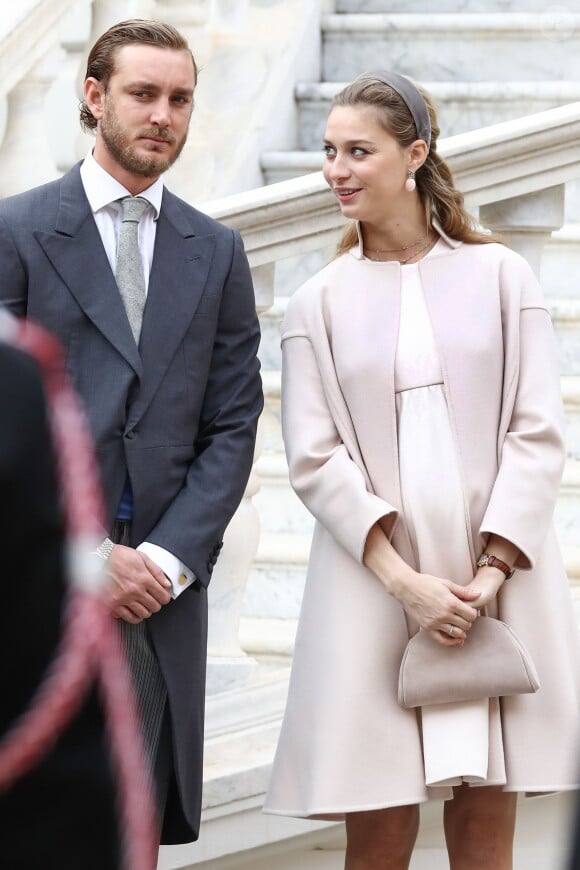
[90,648]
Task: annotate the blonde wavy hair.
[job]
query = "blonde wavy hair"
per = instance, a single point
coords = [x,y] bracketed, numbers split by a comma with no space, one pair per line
[434,180]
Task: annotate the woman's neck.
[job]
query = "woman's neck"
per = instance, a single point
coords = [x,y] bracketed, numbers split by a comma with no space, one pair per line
[396,234]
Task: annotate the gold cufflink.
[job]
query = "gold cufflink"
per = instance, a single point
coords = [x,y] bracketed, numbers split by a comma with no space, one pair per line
[182,579]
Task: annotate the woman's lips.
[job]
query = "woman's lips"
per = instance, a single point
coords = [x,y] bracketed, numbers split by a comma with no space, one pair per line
[346,194]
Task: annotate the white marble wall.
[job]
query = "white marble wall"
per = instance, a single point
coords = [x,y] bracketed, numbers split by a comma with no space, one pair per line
[444,47]
[245,96]
[454,6]
[461,105]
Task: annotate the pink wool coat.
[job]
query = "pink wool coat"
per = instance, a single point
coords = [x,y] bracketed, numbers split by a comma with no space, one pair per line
[345,743]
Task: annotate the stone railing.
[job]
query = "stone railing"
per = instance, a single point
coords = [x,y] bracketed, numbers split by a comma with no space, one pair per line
[514,172]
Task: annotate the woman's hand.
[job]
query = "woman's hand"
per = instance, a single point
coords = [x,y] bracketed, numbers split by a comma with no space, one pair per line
[440,606]
[487,583]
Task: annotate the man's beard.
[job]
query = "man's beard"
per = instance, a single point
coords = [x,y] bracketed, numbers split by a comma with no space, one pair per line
[120,146]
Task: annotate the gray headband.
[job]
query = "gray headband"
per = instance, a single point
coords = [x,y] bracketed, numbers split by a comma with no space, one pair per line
[411,96]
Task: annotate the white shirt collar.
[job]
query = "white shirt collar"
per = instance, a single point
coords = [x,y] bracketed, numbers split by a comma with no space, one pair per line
[102,189]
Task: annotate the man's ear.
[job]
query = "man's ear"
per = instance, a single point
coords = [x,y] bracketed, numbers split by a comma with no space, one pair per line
[94,93]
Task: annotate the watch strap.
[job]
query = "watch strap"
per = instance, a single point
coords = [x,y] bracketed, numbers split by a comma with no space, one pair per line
[494,562]
[105,549]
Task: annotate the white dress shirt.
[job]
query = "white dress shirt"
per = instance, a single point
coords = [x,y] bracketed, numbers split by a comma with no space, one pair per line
[103,192]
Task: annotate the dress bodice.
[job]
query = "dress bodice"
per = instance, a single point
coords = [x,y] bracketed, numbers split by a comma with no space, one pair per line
[416,362]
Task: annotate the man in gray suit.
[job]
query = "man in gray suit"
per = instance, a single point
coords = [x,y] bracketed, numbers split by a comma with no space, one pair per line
[154,304]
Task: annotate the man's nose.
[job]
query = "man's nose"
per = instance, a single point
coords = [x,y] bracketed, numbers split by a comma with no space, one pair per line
[161,113]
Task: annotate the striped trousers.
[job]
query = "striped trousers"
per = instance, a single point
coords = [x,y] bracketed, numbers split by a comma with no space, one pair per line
[150,690]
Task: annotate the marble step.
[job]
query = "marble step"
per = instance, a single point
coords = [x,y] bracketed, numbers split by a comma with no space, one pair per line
[462,105]
[276,581]
[560,270]
[556,11]
[571,397]
[282,165]
[520,46]
[280,509]
[565,314]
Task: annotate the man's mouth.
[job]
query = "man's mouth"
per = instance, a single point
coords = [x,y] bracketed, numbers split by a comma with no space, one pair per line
[159,138]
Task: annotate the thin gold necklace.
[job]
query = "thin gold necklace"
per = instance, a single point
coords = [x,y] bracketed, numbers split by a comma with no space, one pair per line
[403,248]
[427,244]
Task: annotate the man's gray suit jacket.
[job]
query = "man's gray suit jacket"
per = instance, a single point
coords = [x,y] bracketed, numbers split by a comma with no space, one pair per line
[179,414]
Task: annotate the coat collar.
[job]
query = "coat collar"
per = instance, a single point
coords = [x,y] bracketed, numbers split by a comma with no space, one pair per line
[358,253]
[77,254]
[179,273]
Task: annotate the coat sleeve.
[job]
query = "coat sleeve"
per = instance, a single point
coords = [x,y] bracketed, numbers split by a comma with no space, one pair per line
[13,280]
[194,523]
[322,472]
[533,453]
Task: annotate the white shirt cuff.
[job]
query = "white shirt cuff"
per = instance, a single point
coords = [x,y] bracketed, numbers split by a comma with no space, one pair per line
[179,574]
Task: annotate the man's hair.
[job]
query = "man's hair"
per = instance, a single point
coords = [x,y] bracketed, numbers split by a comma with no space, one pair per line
[138,31]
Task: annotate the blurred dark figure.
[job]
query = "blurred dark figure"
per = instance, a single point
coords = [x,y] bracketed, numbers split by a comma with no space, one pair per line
[575,854]
[62,814]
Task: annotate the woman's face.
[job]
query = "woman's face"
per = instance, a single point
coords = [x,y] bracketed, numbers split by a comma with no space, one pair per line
[364,165]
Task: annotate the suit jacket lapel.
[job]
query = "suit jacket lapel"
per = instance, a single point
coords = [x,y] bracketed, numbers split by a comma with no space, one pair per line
[179,273]
[76,252]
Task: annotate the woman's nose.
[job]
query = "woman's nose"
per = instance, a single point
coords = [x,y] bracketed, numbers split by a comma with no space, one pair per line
[338,168]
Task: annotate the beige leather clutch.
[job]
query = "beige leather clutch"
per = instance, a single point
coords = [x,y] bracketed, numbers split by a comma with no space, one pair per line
[492,662]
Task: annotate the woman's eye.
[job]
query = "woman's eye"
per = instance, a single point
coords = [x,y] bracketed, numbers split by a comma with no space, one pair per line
[328,150]
[359,152]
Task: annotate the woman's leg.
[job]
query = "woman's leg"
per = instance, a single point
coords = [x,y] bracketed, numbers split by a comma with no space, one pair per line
[479,828]
[381,839]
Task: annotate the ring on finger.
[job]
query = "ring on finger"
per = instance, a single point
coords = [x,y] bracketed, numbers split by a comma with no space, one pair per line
[452,630]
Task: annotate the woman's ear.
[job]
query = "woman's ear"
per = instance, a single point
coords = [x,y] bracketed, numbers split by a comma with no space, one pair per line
[417,154]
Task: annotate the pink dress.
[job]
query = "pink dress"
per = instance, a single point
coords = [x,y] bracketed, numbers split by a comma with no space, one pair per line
[457,742]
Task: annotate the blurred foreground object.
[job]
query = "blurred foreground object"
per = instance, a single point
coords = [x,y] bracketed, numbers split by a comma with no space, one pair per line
[63,746]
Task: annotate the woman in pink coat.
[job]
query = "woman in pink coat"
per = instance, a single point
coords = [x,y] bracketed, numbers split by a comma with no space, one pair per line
[422,420]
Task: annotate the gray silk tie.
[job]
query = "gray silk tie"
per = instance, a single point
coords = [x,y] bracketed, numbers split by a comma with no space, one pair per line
[129,272]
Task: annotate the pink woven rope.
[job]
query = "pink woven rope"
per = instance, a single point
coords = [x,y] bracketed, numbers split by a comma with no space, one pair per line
[90,648]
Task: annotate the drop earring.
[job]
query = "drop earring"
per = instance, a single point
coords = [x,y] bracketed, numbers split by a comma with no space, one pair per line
[410,184]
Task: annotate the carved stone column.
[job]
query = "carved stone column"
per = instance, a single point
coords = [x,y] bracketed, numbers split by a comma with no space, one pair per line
[526,222]
[228,16]
[109,12]
[183,13]
[228,665]
[25,158]
[68,143]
